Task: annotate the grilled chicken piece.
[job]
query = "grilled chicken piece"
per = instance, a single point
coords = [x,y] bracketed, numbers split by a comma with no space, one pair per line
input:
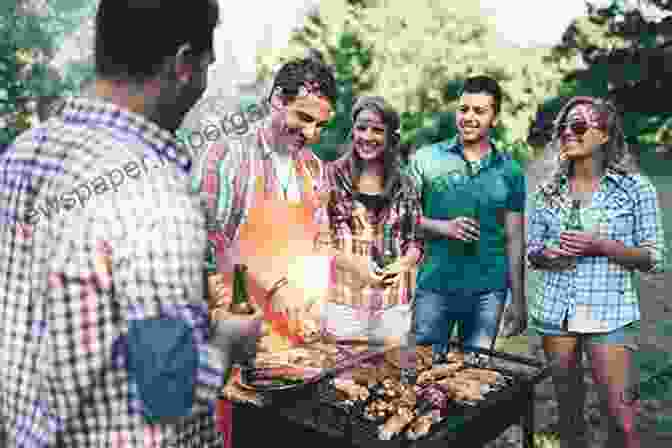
[462,389]
[388,371]
[481,375]
[395,424]
[379,409]
[366,377]
[408,396]
[423,356]
[420,427]
[393,357]
[352,390]
[438,372]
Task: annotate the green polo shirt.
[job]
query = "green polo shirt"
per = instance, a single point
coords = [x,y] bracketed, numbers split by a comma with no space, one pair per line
[450,187]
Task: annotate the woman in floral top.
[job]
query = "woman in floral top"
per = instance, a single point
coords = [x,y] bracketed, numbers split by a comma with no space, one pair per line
[587,296]
[369,198]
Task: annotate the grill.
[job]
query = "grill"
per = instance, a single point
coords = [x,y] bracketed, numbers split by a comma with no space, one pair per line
[468,424]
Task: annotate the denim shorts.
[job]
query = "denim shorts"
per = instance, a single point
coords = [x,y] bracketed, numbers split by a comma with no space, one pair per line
[435,316]
[627,335]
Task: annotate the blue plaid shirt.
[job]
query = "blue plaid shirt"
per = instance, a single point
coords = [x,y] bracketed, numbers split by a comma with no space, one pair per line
[624,209]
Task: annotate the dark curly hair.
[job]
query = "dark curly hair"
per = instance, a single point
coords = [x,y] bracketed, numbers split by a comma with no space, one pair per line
[295,73]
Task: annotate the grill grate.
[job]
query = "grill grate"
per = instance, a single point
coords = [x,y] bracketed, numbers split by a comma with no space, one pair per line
[340,419]
[350,421]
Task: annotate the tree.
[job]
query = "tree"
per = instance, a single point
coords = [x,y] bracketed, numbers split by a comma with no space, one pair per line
[625,51]
[417,61]
[30,34]
[347,53]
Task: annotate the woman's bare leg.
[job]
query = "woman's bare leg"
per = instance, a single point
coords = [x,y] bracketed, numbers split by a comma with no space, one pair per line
[564,354]
[613,373]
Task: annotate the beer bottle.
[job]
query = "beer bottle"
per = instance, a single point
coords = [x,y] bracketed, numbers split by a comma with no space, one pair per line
[574,222]
[389,248]
[240,303]
[471,247]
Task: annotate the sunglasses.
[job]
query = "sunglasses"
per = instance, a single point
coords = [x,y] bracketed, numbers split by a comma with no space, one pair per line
[578,128]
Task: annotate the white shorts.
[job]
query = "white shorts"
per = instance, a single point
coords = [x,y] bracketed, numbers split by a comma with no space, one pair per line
[342,322]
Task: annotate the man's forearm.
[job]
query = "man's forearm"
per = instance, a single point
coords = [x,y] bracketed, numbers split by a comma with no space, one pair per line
[629,257]
[516,255]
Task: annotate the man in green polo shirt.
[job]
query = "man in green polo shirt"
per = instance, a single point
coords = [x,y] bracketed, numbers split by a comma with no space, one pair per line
[473,198]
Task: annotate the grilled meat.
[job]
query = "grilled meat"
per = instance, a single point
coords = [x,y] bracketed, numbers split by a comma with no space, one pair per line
[352,391]
[481,375]
[395,424]
[438,372]
[420,427]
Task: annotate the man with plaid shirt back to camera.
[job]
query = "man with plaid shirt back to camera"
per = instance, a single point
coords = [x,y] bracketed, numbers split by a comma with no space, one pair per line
[105,339]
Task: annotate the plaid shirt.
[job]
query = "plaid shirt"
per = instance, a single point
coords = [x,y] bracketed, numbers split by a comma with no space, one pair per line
[94,181]
[356,230]
[231,173]
[624,209]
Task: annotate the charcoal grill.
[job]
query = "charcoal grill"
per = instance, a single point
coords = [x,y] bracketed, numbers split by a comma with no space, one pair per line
[465,424]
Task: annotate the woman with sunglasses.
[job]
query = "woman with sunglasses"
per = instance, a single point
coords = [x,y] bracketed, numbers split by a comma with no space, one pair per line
[594,223]
[372,213]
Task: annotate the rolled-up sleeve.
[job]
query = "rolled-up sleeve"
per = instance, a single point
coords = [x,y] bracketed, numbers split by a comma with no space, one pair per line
[648,228]
[224,177]
[537,229]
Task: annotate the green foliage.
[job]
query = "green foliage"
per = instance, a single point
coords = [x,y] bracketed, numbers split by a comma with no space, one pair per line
[418,58]
[348,52]
[655,375]
[621,49]
[29,37]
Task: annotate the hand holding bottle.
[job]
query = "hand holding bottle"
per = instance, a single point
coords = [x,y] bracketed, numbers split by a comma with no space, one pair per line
[238,334]
[575,240]
[239,323]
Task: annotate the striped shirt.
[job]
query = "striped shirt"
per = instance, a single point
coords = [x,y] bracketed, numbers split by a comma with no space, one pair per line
[356,230]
